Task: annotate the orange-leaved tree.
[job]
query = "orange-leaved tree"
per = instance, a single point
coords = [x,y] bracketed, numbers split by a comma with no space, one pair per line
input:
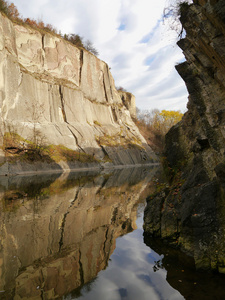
[13,12]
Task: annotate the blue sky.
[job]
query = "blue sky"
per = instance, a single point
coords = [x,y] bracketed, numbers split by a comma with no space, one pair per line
[130,37]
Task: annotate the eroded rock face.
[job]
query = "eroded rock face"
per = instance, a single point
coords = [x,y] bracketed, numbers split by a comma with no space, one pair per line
[191,213]
[64,93]
[129,102]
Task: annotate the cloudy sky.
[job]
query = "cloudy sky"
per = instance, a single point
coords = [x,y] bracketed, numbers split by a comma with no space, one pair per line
[130,37]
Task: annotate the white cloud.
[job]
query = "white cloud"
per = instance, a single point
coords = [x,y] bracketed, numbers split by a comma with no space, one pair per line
[130,37]
[130,273]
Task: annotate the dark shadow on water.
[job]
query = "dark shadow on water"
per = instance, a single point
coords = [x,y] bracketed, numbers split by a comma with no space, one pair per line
[182,275]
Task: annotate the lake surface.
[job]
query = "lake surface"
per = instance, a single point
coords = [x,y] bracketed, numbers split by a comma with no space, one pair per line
[79,236]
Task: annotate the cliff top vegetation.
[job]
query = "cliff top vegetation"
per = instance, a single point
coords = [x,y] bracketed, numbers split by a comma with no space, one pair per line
[11,11]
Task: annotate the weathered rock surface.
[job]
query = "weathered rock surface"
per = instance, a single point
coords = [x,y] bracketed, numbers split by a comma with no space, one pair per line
[191,213]
[58,232]
[64,95]
[128,100]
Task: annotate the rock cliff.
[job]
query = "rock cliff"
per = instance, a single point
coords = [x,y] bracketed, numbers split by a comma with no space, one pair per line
[190,213]
[53,93]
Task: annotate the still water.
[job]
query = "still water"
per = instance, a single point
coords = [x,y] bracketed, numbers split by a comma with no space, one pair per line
[79,236]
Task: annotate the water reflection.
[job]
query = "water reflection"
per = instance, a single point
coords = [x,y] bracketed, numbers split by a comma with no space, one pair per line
[72,237]
[182,274]
[58,232]
[130,274]
[136,271]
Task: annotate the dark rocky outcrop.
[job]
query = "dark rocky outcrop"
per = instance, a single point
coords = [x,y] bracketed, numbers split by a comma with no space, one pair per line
[191,213]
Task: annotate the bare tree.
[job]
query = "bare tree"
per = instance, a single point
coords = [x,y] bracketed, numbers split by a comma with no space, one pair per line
[37,138]
[173,12]
[88,45]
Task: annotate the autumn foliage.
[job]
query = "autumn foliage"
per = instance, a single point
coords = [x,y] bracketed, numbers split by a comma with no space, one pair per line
[13,12]
[155,124]
[162,121]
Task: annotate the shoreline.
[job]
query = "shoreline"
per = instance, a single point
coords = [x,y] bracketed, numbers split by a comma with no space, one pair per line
[9,170]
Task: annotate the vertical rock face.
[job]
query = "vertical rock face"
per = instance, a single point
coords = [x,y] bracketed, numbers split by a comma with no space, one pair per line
[66,94]
[129,102]
[191,213]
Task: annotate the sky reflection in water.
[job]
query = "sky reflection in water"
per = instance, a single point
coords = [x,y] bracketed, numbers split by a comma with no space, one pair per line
[130,273]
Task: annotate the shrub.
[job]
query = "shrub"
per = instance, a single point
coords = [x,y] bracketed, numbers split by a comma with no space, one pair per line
[4,7]
[120,88]
[88,45]
[75,39]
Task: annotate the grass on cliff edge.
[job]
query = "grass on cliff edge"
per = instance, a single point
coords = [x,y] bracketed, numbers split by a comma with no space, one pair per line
[17,148]
[60,152]
[122,139]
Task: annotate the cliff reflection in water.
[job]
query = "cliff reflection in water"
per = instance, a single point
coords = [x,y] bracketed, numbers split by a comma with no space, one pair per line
[58,232]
